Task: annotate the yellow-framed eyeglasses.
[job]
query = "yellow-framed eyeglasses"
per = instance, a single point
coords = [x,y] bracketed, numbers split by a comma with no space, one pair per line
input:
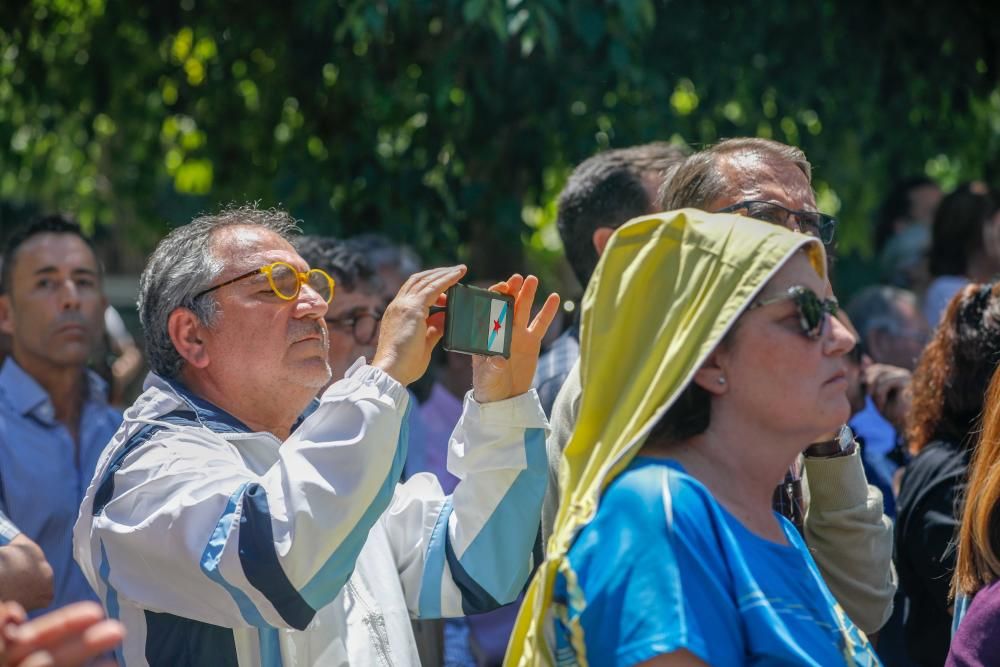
[286,281]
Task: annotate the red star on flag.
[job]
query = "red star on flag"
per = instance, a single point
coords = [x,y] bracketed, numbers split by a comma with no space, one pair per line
[496,325]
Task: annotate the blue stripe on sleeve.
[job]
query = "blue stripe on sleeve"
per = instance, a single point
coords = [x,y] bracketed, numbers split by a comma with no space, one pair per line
[475,598]
[430,584]
[270,649]
[213,554]
[260,560]
[498,560]
[110,598]
[331,577]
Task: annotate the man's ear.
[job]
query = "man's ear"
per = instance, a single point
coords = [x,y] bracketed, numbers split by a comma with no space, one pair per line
[187,334]
[712,375]
[600,238]
[6,315]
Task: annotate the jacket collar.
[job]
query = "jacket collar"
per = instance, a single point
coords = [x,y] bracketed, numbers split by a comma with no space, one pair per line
[208,414]
[23,393]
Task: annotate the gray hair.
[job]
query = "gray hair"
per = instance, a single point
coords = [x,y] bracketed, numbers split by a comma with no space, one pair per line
[699,179]
[876,309]
[182,265]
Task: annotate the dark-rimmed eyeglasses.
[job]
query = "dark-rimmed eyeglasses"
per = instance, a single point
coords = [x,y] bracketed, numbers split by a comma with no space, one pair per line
[814,312]
[820,225]
[363,325]
[286,281]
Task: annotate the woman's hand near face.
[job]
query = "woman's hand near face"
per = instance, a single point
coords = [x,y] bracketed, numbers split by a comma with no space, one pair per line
[889,387]
[496,378]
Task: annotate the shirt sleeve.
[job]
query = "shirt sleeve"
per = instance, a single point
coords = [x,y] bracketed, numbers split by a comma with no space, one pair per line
[644,583]
[8,531]
[850,538]
[189,530]
[473,551]
[564,413]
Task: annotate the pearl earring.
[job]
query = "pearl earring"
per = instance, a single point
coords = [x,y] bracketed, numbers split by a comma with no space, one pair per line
[721,380]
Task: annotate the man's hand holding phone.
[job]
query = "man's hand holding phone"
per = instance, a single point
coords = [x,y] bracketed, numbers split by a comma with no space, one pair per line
[408,331]
[495,378]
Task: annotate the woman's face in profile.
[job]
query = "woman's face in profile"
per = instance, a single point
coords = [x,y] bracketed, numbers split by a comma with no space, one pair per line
[779,377]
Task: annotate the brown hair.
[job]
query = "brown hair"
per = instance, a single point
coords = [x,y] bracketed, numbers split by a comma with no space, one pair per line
[698,180]
[955,369]
[979,529]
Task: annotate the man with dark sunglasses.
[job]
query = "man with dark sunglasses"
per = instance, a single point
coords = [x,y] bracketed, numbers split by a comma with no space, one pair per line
[839,513]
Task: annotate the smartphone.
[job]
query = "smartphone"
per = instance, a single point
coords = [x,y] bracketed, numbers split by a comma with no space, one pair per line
[478,321]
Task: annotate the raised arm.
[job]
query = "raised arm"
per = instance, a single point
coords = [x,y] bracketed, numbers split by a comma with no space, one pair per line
[473,551]
[850,538]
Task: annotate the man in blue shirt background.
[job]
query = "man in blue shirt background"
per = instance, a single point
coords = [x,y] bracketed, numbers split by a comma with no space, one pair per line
[54,418]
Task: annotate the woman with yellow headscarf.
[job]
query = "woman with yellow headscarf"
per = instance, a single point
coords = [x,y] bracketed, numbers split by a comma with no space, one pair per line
[708,356]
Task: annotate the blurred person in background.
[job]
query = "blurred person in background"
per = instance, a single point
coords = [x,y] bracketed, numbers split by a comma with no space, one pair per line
[903,232]
[726,361]
[393,262]
[5,342]
[353,318]
[604,192]
[892,333]
[965,245]
[949,387]
[439,414]
[54,416]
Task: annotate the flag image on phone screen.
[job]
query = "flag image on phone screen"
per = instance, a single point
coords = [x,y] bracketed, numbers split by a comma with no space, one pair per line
[478,321]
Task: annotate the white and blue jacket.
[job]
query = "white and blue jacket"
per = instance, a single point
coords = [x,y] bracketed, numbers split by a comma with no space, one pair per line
[217,546]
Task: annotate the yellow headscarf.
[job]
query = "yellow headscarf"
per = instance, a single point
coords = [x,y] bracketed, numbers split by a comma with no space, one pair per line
[665,292]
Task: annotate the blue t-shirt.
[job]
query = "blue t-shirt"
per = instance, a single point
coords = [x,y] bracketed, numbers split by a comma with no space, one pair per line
[663,567]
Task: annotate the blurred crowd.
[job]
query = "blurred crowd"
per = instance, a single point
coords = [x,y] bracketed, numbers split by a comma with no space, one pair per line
[711,460]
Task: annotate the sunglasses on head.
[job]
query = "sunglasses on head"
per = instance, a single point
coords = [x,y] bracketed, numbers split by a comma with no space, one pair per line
[813,311]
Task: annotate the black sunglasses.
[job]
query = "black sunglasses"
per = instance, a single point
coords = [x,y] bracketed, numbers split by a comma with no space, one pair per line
[362,325]
[813,311]
[820,225]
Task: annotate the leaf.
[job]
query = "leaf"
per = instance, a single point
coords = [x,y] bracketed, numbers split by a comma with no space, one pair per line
[473,10]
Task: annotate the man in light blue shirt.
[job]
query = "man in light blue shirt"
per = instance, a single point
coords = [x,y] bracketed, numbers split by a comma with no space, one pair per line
[54,419]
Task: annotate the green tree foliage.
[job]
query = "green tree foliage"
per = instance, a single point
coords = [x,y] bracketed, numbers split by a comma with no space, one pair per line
[452,124]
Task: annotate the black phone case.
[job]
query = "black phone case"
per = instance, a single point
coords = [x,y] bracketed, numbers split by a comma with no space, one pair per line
[451,322]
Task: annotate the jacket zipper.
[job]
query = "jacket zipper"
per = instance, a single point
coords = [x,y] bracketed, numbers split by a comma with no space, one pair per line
[376,625]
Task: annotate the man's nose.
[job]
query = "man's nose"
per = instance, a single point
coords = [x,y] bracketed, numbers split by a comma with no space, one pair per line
[69,296]
[310,303]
